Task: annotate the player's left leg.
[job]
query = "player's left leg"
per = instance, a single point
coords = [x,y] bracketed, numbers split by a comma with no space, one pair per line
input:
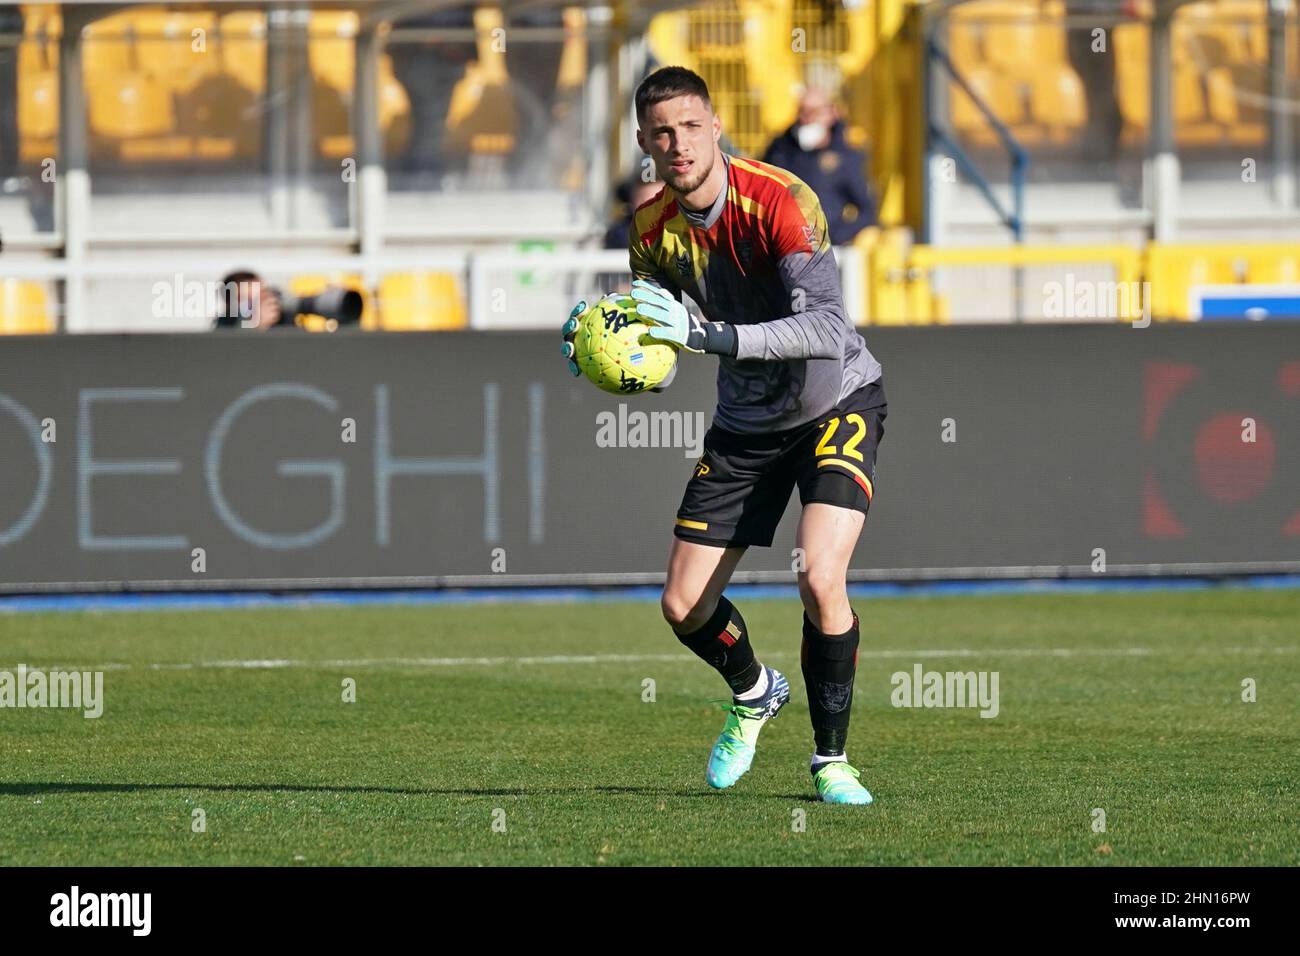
[836,484]
[827,535]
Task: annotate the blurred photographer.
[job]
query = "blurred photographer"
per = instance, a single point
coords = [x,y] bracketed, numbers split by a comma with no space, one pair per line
[246,302]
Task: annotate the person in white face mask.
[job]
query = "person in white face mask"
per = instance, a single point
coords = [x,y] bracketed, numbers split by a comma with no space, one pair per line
[813,148]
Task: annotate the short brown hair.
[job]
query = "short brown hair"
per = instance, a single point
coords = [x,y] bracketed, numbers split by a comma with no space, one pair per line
[669,83]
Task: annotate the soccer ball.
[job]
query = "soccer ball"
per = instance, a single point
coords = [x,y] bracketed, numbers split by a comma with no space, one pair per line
[608,348]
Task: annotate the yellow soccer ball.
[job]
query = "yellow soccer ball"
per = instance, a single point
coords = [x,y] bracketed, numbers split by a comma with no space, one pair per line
[609,348]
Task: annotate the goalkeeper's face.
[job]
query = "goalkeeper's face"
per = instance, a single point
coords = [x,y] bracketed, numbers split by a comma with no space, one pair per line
[681,136]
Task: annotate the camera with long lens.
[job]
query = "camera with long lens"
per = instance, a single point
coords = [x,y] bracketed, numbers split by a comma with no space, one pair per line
[244,290]
[336,305]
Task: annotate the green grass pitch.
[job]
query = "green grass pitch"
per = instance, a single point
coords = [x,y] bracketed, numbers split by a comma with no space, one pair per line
[518,734]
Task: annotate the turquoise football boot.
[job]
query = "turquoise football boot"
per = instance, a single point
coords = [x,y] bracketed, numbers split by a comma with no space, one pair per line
[734,751]
[837,782]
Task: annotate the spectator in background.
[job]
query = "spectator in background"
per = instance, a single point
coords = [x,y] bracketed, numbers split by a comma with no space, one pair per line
[814,150]
[247,302]
[631,194]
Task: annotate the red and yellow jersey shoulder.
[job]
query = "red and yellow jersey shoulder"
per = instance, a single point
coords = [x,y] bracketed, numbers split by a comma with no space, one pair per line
[768,215]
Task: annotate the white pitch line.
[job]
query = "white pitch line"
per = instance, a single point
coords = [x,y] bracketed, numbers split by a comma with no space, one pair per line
[434,662]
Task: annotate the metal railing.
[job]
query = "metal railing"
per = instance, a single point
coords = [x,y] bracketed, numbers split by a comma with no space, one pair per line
[1013,218]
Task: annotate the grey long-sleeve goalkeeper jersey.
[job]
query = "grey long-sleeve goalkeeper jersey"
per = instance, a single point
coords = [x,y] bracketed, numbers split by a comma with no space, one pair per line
[761,260]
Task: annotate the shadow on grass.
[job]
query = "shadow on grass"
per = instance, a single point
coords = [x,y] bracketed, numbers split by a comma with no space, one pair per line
[39,789]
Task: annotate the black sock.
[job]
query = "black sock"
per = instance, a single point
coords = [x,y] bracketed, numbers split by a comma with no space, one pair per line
[723,644]
[829,662]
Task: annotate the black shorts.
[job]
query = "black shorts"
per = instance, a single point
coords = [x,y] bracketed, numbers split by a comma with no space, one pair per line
[742,482]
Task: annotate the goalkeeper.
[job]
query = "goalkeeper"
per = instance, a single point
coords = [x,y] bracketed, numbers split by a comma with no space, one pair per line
[800,403]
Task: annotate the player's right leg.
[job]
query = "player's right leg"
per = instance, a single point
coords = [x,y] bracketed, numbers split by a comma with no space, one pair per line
[734,499]
[707,623]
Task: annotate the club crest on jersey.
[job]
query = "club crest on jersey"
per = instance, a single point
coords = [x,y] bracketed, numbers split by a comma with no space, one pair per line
[683,263]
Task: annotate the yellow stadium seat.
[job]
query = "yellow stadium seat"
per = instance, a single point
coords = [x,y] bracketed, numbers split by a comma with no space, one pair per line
[415,301]
[965,48]
[1248,21]
[38,94]
[991,10]
[1000,94]
[107,48]
[572,73]
[1189,96]
[130,105]
[241,48]
[394,108]
[1014,53]
[1058,103]
[331,54]
[481,111]
[176,48]
[42,18]
[38,107]
[331,50]
[1132,69]
[23,308]
[38,84]
[1238,98]
[1022,49]
[1193,123]
[1222,33]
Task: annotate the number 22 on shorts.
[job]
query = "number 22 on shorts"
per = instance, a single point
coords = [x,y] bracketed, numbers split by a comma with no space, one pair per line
[851,446]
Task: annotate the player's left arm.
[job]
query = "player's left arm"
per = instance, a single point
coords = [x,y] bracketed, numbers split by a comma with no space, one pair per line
[818,323]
